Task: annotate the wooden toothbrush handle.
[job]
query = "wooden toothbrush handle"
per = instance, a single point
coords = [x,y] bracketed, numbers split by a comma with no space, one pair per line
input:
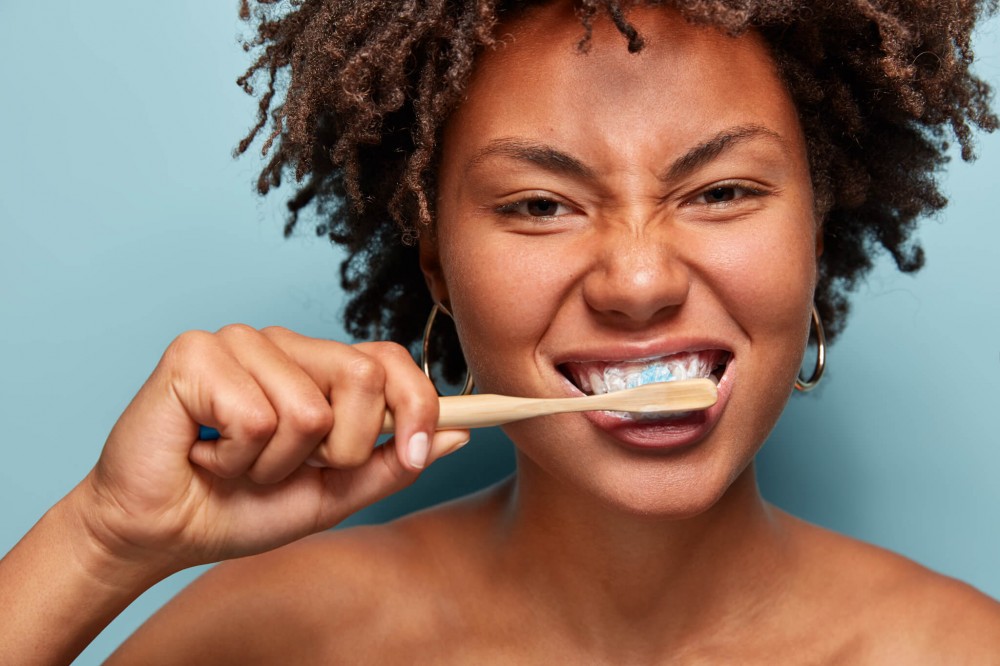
[479,411]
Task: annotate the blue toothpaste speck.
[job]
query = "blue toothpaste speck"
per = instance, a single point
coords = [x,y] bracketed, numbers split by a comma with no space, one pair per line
[657,372]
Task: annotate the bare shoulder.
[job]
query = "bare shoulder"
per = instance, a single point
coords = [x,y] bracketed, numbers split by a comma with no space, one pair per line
[332,596]
[934,619]
[894,610]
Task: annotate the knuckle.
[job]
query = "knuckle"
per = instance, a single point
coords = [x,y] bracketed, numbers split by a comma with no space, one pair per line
[276,332]
[419,402]
[237,331]
[391,353]
[392,350]
[190,347]
[364,372]
[258,424]
[314,418]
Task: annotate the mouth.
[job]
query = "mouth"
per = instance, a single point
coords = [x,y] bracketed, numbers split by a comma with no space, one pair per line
[599,377]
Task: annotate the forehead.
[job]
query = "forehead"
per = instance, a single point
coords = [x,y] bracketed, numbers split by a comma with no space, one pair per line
[688,81]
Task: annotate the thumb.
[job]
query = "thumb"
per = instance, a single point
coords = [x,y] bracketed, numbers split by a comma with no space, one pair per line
[446,442]
[350,490]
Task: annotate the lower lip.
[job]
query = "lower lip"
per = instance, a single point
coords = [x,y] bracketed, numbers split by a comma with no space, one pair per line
[666,434]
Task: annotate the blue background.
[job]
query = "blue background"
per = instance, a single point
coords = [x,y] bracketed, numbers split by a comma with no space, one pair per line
[124,221]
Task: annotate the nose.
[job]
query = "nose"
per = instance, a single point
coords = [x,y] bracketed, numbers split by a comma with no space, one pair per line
[637,277]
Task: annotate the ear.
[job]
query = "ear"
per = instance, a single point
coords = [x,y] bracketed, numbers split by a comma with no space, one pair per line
[430,265]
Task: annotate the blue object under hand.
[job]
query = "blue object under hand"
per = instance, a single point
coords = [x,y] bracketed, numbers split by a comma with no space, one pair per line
[204,432]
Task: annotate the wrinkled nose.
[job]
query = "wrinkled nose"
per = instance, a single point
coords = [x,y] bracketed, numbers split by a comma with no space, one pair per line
[637,278]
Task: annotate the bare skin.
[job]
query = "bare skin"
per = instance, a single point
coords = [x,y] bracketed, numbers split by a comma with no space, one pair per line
[383,594]
[628,206]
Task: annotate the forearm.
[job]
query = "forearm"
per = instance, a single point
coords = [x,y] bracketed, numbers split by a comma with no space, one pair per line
[59,587]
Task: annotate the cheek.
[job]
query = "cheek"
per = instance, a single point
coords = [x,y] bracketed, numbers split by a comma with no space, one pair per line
[767,288]
[769,275]
[504,292]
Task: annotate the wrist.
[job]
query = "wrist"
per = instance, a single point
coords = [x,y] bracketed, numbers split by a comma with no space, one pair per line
[62,585]
[87,518]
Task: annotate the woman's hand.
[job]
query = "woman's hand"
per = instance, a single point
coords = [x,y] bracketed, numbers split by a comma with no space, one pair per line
[283,404]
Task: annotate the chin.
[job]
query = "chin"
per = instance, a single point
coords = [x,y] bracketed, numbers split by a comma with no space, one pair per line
[657,484]
[671,496]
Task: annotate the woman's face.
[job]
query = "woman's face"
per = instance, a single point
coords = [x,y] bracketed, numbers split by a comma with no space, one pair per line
[608,218]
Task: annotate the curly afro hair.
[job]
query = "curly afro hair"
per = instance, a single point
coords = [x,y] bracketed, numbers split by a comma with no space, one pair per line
[366,86]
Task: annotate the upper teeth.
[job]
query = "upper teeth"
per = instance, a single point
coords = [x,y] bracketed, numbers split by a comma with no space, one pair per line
[604,377]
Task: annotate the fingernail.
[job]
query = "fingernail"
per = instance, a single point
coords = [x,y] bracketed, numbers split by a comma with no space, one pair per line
[417,449]
[455,447]
[315,461]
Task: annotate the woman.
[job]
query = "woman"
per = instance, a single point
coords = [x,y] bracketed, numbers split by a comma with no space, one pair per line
[673,196]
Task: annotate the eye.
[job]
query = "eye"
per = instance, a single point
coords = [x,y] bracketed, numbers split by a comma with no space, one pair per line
[725,193]
[535,207]
[719,194]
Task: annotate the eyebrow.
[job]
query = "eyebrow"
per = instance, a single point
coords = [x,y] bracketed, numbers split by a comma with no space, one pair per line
[539,154]
[556,161]
[708,150]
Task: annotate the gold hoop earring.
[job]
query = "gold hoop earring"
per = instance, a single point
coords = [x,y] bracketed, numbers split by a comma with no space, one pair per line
[425,349]
[805,385]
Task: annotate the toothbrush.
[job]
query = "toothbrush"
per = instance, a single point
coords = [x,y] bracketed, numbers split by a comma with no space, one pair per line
[481,411]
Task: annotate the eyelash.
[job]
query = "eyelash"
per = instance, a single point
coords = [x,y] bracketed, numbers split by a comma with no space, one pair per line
[514,207]
[746,189]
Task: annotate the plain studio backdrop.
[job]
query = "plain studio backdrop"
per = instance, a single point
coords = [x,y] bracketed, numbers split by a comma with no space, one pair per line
[124,221]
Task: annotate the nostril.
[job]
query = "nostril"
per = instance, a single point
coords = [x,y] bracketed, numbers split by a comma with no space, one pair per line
[641,289]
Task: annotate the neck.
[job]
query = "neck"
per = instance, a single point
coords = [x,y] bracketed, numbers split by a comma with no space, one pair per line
[614,577]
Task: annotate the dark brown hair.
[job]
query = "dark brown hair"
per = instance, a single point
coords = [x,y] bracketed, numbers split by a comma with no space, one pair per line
[354,94]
